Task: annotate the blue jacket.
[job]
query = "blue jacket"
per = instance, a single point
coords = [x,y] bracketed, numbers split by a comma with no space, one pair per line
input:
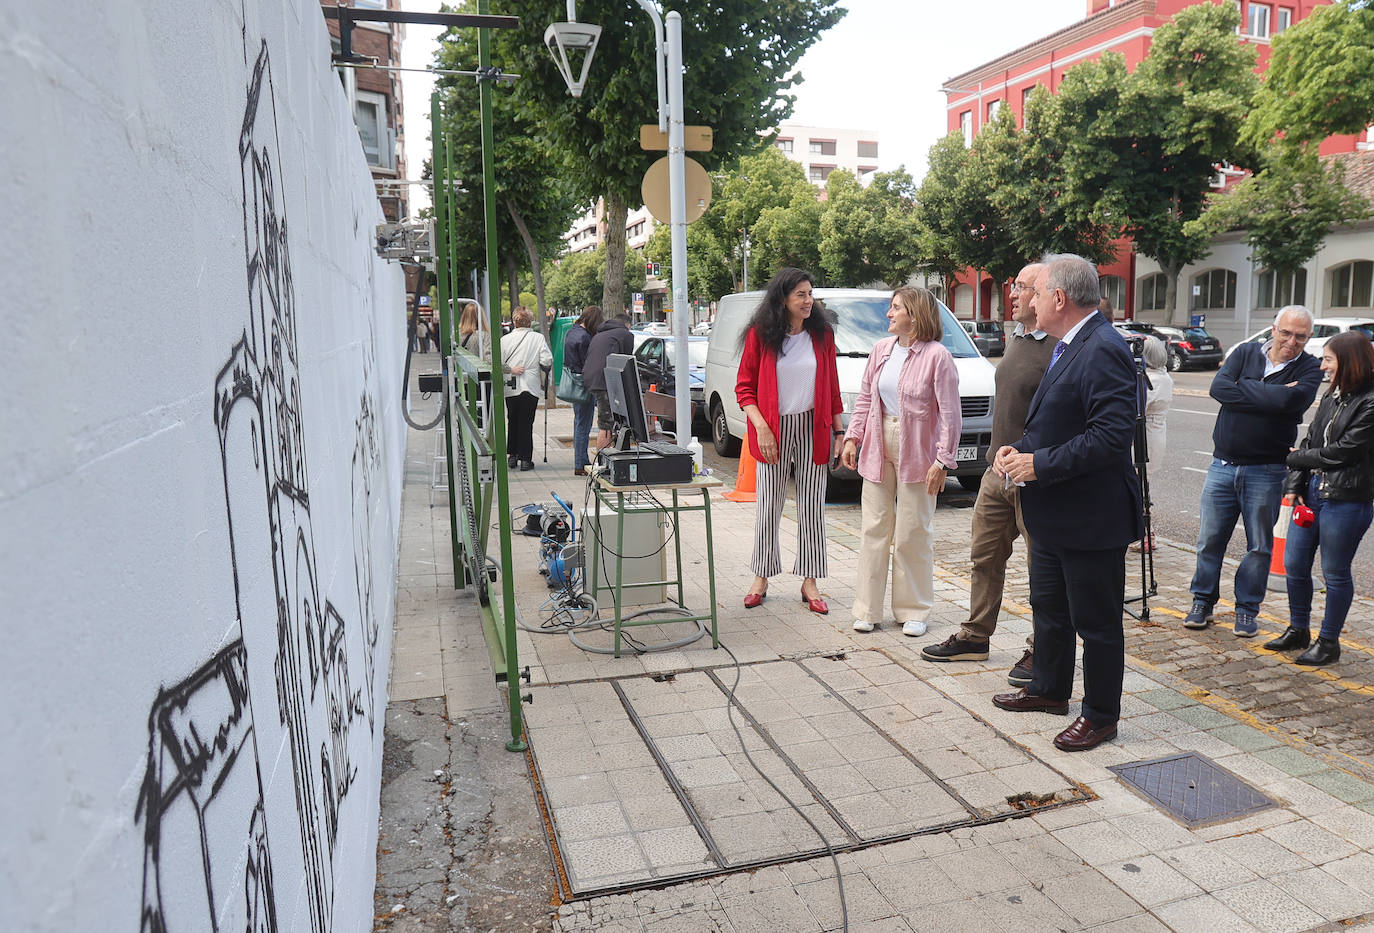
[575,345]
[1259,416]
[1081,428]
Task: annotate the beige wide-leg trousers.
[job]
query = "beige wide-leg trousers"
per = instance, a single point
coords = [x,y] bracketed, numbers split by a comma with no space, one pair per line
[897,520]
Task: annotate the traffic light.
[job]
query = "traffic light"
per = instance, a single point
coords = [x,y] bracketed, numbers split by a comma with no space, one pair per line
[655,268]
[648,268]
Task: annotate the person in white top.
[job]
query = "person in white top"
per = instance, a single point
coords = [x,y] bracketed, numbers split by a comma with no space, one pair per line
[524,357]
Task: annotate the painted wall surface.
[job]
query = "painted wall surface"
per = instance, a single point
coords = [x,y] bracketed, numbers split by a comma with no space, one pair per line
[199,475]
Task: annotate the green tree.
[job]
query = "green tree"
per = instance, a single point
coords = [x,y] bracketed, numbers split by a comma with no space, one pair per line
[1320,79]
[1152,149]
[1286,210]
[741,56]
[940,210]
[530,188]
[708,264]
[787,235]
[578,279]
[870,234]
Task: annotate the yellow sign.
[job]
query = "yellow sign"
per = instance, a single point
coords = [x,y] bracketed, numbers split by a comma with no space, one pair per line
[694,138]
[655,190]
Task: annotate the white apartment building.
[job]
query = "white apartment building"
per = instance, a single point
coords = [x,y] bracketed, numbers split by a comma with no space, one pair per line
[822,149]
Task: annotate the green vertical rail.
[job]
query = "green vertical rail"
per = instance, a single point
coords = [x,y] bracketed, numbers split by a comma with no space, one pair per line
[498,400]
[443,265]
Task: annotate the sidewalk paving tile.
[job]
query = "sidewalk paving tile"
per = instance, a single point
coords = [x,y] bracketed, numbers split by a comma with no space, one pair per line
[1268,908]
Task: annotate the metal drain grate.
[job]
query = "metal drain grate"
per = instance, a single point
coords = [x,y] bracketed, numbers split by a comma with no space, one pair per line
[1193,788]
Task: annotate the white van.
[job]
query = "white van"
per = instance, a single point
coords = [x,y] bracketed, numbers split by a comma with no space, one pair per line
[861,321]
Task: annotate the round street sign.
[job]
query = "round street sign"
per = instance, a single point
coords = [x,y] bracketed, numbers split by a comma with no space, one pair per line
[655,190]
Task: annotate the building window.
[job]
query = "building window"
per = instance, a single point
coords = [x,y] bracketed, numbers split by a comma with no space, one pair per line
[868,150]
[1153,291]
[823,146]
[634,230]
[1113,288]
[993,107]
[1284,19]
[369,112]
[1213,290]
[1352,285]
[1258,23]
[1279,289]
[785,145]
[819,173]
[966,126]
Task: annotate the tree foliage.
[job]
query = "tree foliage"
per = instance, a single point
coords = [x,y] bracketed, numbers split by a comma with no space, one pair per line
[870,234]
[578,279]
[1320,79]
[740,59]
[1286,210]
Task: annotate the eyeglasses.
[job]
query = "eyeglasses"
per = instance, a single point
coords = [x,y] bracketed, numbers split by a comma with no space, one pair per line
[1292,335]
[1018,287]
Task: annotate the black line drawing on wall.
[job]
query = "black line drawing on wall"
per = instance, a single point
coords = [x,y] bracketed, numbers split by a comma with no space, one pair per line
[294,647]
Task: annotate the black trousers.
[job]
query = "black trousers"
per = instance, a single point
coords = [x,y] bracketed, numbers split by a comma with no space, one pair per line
[520,412]
[1078,594]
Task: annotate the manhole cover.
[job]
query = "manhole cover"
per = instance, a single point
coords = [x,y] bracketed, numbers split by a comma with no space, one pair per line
[1193,788]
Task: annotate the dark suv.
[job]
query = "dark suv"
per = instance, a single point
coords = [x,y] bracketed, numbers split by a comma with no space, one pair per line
[1187,346]
[992,332]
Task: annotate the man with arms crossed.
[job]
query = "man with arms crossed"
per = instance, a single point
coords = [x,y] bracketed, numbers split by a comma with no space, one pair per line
[1081,504]
[1263,391]
[997,513]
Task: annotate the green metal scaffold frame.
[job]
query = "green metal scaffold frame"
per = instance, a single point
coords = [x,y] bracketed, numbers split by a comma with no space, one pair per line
[479,468]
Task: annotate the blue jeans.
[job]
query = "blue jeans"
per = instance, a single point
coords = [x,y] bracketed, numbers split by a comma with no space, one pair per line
[582,432]
[1251,493]
[1337,530]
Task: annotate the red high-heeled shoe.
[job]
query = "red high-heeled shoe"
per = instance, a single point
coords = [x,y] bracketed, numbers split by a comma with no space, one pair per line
[754,600]
[817,605]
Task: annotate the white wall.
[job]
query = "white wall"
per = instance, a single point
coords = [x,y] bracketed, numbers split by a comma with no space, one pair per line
[199,477]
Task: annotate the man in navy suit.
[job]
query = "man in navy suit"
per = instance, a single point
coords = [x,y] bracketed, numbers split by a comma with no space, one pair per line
[1081,504]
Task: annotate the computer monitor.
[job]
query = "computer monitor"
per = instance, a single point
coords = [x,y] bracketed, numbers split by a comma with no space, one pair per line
[626,399]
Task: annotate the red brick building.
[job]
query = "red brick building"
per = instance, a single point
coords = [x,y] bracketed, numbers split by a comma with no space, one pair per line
[376,99]
[1126,27]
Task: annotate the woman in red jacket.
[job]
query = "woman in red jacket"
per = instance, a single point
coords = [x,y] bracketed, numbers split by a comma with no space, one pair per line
[789,388]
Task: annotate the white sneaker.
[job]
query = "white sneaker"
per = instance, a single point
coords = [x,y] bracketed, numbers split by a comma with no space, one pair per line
[861,626]
[913,629]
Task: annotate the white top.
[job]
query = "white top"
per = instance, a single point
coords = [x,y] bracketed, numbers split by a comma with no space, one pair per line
[796,374]
[1157,400]
[525,347]
[888,379]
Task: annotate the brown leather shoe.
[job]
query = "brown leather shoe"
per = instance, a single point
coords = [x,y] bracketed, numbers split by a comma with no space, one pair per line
[1081,736]
[1023,702]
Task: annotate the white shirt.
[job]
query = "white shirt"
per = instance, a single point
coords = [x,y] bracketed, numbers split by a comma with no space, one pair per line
[1157,400]
[889,377]
[796,374]
[1073,331]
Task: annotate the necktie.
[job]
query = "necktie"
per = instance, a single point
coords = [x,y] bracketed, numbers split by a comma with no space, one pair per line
[1059,349]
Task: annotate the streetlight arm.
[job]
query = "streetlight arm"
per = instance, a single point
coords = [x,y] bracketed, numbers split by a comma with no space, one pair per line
[660,60]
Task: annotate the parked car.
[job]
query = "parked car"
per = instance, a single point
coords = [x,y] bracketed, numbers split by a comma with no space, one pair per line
[657,356]
[702,329]
[1186,346]
[1323,329]
[980,342]
[862,322]
[992,332]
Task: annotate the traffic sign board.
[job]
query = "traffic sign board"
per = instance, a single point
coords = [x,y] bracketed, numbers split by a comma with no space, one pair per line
[694,138]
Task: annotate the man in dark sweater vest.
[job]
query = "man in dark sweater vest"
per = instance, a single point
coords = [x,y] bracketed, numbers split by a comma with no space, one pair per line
[1263,391]
[997,513]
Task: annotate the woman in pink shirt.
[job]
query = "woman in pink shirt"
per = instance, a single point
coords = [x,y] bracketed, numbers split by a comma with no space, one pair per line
[908,412]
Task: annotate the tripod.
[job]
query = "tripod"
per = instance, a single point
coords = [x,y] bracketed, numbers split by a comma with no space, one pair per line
[1148,585]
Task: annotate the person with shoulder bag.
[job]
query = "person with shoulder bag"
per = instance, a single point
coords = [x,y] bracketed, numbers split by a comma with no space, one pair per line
[572,387]
[524,355]
[1332,481]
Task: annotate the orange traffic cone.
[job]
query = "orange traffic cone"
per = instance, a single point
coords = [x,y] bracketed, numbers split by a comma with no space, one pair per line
[744,481]
[1278,581]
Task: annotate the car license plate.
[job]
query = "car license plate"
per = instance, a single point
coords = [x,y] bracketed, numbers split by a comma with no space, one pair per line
[966,453]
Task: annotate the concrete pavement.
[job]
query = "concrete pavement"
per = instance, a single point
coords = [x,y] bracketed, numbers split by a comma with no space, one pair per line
[948,813]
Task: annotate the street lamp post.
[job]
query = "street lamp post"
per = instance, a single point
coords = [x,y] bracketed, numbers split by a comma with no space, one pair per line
[667,72]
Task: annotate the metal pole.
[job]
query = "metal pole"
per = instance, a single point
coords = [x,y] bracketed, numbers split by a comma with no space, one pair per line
[498,401]
[746,260]
[677,202]
[442,243]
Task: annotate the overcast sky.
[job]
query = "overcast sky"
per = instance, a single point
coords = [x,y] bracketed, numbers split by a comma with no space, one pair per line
[881,68]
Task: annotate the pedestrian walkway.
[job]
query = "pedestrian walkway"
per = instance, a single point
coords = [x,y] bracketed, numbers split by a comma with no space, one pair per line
[946,813]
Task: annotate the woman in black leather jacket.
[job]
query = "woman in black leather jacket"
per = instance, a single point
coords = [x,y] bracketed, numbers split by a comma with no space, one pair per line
[1332,473]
